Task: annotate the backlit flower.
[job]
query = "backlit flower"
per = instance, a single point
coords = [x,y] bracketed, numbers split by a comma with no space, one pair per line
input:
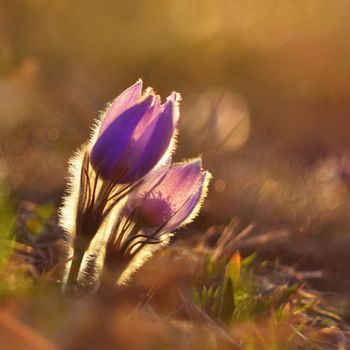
[172,198]
[135,133]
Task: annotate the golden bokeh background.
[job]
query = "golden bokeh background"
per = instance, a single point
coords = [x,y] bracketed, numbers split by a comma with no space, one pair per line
[265,87]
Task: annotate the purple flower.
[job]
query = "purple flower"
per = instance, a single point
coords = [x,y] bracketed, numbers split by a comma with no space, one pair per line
[135,133]
[172,198]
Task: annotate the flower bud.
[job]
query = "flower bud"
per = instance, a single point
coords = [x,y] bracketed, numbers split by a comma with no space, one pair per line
[134,135]
[173,198]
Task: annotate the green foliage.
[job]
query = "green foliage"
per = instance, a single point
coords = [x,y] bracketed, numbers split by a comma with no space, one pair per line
[13,278]
[248,260]
[230,292]
[7,222]
[37,222]
[225,295]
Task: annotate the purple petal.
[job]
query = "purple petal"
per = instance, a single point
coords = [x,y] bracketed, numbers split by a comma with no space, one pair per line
[125,100]
[154,211]
[151,181]
[156,139]
[170,193]
[180,182]
[147,121]
[154,177]
[149,142]
[189,206]
[175,98]
[110,146]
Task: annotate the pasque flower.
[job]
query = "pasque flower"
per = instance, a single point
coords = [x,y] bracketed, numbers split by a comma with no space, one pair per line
[172,198]
[167,199]
[123,197]
[134,134]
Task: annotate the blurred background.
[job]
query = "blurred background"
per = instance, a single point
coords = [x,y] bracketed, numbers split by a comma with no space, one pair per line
[265,87]
[266,102]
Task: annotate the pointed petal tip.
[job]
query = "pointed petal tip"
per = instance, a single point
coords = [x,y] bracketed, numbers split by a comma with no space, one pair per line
[157,103]
[173,100]
[195,162]
[207,175]
[205,180]
[148,99]
[149,91]
[128,98]
[171,108]
[134,91]
[139,82]
[175,97]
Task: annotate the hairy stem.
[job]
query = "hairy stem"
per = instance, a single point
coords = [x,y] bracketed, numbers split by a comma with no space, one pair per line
[77,259]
